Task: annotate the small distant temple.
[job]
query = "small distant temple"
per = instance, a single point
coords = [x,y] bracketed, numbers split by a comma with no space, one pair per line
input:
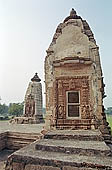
[33,104]
[33,100]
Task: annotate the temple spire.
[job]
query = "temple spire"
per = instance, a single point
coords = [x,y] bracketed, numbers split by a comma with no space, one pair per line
[72,12]
[36,78]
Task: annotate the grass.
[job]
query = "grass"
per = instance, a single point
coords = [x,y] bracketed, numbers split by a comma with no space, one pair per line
[109,119]
[4,120]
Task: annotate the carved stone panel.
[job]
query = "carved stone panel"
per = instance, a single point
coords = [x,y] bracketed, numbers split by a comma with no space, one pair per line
[65,84]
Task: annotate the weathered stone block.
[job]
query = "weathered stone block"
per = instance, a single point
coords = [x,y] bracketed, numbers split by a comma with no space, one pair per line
[17,166]
[38,167]
[77,168]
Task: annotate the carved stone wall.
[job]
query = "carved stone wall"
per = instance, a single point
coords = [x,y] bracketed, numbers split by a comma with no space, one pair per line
[73,64]
[33,100]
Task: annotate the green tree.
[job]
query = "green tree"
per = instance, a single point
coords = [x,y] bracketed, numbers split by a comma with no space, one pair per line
[15,109]
[108,111]
[3,109]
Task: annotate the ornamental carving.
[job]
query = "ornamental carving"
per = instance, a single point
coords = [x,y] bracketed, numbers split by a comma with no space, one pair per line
[71,84]
[60,111]
[30,107]
[64,84]
[86,111]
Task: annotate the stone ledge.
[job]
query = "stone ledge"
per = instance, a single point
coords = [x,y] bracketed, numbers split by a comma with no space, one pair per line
[87,135]
[29,155]
[88,148]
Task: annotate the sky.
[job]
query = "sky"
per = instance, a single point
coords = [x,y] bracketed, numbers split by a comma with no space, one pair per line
[26,30]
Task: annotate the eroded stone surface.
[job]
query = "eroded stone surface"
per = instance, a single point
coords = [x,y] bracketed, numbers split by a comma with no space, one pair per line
[72,68]
[76,147]
[74,168]
[35,167]
[29,155]
[33,104]
[73,64]
[62,154]
[16,136]
[22,128]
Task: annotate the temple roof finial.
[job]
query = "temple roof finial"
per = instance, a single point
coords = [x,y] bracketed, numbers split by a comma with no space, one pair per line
[36,78]
[72,12]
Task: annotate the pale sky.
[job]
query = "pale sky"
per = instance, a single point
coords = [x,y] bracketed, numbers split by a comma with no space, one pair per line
[26,31]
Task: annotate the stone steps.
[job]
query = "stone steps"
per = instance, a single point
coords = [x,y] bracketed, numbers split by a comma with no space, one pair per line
[64,150]
[15,145]
[16,140]
[3,139]
[75,135]
[74,147]
[44,160]
[23,136]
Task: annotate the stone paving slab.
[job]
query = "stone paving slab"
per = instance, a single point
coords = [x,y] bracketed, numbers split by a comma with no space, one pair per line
[87,148]
[96,145]
[75,132]
[24,128]
[75,135]
[30,155]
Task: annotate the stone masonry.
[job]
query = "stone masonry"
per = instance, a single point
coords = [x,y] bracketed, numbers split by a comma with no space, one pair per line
[78,132]
[73,78]
[33,100]
[33,104]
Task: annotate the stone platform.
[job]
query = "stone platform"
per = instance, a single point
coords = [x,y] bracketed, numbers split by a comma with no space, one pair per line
[27,120]
[5,126]
[64,150]
[16,136]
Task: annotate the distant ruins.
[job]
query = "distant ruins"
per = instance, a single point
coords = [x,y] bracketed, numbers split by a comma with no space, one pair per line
[33,100]
[33,104]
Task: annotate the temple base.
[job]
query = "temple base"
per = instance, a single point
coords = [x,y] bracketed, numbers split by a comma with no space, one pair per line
[27,120]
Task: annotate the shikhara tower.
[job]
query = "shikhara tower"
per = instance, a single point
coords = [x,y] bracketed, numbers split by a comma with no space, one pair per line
[73,78]
[33,100]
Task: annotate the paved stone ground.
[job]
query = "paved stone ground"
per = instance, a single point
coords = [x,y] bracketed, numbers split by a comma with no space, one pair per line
[26,128]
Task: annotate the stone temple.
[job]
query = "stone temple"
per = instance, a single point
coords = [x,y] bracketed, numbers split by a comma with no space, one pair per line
[73,78]
[76,134]
[33,104]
